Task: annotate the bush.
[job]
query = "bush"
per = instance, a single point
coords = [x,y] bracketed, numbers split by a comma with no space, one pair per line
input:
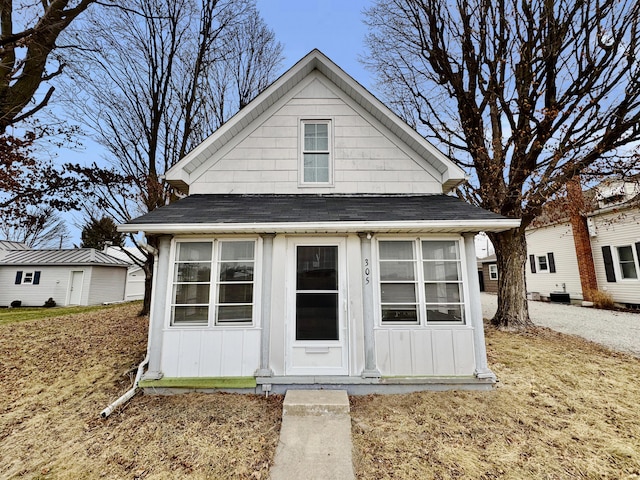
[50,303]
[602,299]
[16,304]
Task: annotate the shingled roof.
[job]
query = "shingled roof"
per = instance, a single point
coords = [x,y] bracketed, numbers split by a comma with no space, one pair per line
[384,212]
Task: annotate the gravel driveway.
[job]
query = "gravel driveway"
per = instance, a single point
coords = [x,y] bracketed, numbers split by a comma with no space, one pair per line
[616,330]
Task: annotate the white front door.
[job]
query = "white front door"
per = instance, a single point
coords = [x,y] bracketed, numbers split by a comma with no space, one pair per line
[75,287]
[316,319]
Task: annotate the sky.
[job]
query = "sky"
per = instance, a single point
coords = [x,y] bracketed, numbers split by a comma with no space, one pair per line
[334,27]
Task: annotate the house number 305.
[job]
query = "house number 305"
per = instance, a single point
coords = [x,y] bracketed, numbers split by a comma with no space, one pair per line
[367,271]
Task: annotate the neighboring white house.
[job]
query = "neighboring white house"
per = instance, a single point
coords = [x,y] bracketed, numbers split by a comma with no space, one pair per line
[135,274]
[613,239]
[316,247]
[81,276]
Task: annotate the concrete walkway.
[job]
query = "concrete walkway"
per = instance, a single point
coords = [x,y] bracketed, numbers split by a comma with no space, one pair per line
[616,330]
[315,438]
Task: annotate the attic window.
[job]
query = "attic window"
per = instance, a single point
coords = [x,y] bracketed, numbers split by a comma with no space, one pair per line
[316,163]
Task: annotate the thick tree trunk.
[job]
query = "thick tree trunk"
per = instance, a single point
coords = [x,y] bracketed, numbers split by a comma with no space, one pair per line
[511,254]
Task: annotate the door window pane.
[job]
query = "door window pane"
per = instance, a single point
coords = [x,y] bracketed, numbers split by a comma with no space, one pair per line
[317,316]
[399,314]
[445,313]
[397,270]
[317,268]
[234,313]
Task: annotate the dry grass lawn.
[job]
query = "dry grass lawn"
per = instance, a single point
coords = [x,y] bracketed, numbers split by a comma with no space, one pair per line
[564,409]
[57,374]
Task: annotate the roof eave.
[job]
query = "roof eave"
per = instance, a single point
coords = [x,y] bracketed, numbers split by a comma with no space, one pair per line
[442,226]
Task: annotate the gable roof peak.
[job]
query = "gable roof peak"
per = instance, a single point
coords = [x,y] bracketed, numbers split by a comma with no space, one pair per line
[180,174]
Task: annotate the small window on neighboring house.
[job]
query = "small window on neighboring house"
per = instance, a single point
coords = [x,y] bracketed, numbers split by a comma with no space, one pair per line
[493,272]
[27,278]
[316,166]
[542,264]
[627,262]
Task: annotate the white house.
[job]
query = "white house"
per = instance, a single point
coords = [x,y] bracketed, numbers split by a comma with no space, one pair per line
[134,289]
[316,246]
[610,248]
[80,276]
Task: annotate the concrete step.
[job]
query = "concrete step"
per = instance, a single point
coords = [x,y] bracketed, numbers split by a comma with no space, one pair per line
[316,402]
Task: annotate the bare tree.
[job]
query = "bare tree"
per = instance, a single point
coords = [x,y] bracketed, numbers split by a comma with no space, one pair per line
[40,228]
[151,91]
[523,95]
[29,32]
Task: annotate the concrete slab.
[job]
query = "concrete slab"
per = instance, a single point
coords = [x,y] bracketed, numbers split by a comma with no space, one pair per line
[316,402]
[315,445]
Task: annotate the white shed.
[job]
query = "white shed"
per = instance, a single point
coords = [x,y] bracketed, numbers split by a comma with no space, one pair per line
[81,276]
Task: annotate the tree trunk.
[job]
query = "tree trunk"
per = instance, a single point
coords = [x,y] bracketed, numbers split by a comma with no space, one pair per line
[148,283]
[511,254]
[148,278]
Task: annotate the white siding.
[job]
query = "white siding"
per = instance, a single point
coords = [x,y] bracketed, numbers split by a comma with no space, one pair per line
[54,282]
[367,157]
[556,239]
[135,284]
[616,229]
[107,284]
[426,351]
[211,353]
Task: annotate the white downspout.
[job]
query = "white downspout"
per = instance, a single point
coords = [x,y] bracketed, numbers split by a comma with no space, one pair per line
[130,393]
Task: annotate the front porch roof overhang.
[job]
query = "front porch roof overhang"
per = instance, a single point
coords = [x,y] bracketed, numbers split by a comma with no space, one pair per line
[451,226]
[305,214]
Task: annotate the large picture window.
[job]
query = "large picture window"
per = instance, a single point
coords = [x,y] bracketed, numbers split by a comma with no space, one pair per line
[316,152]
[213,282]
[420,282]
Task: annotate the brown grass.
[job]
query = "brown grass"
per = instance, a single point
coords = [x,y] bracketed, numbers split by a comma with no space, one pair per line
[564,408]
[56,375]
[602,299]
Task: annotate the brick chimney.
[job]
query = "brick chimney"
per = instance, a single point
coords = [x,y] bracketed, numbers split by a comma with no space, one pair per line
[578,217]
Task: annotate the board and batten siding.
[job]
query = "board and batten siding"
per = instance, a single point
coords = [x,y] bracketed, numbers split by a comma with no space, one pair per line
[107,284]
[367,158]
[224,352]
[556,239]
[433,351]
[616,229]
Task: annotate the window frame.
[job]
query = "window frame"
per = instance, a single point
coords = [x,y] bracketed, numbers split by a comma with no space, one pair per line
[546,263]
[493,271]
[214,284]
[420,282]
[634,260]
[26,273]
[302,122]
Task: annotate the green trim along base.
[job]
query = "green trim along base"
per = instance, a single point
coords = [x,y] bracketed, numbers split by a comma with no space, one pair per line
[200,382]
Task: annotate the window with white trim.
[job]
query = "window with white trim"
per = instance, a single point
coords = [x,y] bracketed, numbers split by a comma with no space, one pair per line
[316,162]
[627,262]
[27,278]
[213,283]
[420,282]
[542,264]
[493,272]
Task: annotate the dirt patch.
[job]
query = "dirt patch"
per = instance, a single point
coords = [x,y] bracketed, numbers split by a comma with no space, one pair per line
[564,408]
[56,375]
